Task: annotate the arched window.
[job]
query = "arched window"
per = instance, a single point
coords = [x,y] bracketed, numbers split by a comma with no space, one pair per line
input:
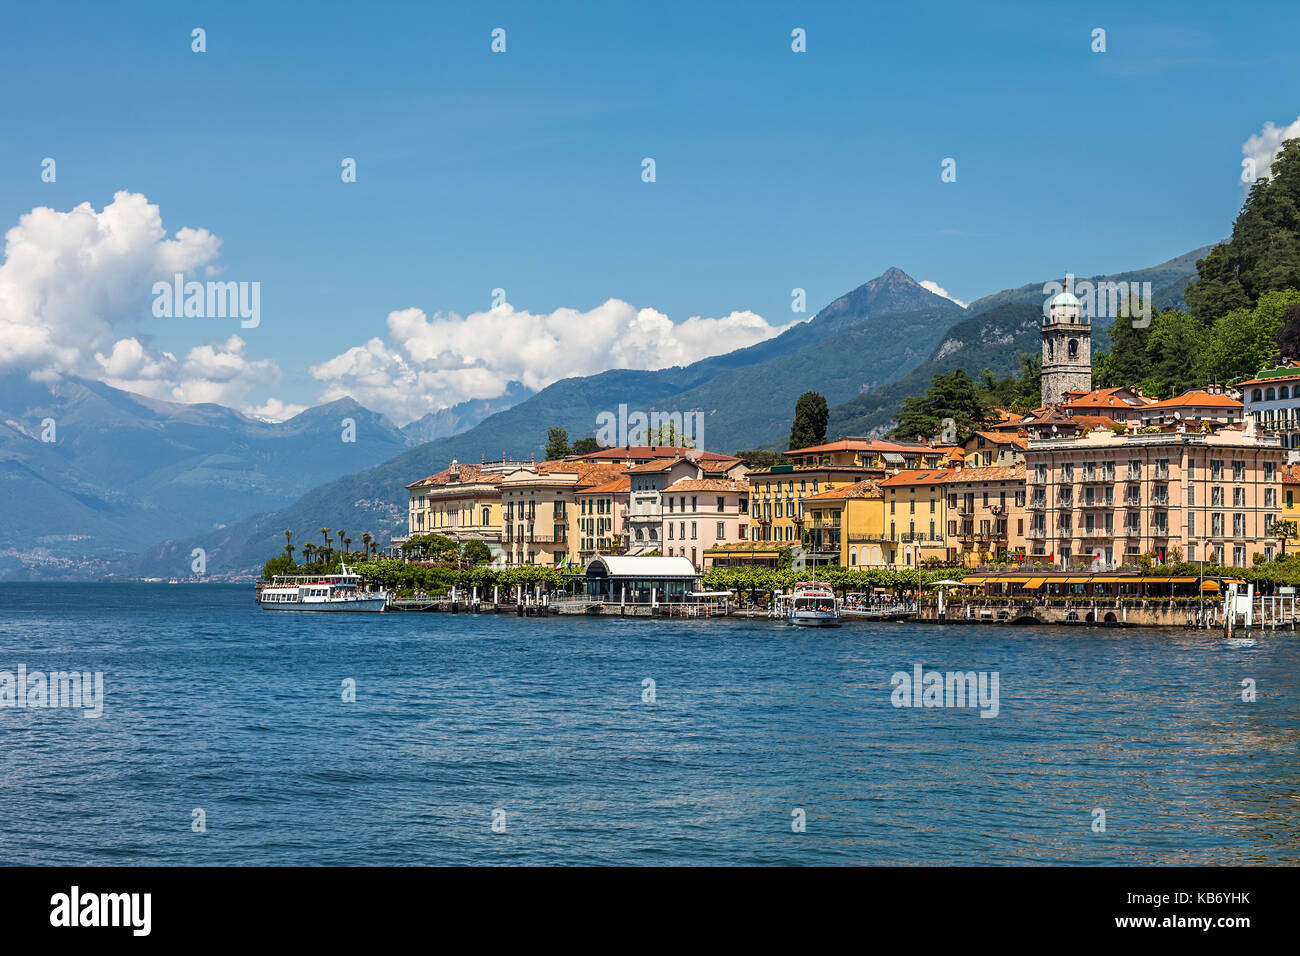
[1074,348]
[1257,396]
[1269,395]
[1284,392]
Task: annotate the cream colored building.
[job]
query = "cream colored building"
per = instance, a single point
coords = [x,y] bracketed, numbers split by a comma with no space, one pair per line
[1109,499]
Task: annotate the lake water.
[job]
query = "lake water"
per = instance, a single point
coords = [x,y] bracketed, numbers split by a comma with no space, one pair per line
[211,704]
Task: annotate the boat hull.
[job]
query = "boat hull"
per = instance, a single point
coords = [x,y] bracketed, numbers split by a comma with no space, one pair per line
[373,605]
[814,620]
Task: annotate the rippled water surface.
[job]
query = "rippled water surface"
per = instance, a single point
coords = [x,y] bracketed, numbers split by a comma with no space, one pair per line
[213,704]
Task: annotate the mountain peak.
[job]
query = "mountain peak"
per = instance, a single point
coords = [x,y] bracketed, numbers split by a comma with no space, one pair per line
[894,274]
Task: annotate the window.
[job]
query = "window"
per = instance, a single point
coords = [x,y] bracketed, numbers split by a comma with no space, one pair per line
[1238,471]
[722,530]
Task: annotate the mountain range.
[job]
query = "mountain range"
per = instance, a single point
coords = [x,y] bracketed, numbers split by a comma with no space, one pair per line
[133,485]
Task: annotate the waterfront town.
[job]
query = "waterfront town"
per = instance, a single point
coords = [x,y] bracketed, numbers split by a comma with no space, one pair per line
[1096,478]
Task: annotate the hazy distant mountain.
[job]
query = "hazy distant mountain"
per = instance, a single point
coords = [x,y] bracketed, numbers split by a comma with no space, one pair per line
[463,416]
[123,471]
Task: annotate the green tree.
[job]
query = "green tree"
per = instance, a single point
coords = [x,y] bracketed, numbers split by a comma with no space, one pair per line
[810,416]
[1175,347]
[757,458]
[280,564]
[587,446]
[1282,530]
[1245,340]
[475,552]
[950,395]
[557,444]
[1263,253]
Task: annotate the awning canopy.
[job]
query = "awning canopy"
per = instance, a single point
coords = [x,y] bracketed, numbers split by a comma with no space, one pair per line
[1033,584]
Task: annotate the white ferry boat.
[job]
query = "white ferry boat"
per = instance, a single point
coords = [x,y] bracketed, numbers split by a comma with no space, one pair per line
[810,604]
[319,592]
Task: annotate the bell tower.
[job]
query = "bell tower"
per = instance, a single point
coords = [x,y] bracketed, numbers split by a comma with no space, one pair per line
[1067,348]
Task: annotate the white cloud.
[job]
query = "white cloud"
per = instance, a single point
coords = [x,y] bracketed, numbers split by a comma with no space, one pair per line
[932,286]
[1264,145]
[69,277]
[429,364]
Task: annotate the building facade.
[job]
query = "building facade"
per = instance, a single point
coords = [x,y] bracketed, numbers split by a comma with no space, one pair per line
[1272,400]
[1106,500]
[849,522]
[915,516]
[703,513]
[986,513]
[462,502]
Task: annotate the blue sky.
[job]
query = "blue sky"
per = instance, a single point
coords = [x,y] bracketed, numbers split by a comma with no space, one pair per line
[522,170]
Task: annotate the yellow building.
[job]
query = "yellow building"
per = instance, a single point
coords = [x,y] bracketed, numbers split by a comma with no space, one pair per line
[850,522]
[916,513]
[461,502]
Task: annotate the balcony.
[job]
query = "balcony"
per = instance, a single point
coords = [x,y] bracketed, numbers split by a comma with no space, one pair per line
[879,537]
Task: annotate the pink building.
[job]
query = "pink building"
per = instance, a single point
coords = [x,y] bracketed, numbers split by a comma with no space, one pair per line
[699,513]
[1202,494]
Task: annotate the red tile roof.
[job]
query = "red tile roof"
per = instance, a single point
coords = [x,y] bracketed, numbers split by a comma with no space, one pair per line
[1197,397]
[709,484]
[867,488]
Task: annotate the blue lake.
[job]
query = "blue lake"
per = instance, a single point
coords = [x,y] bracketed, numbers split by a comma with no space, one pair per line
[211,704]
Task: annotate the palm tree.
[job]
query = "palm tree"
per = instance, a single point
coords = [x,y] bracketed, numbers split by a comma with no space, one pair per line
[342,543]
[288,544]
[365,542]
[325,533]
[1282,530]
[347,544]
[308,551]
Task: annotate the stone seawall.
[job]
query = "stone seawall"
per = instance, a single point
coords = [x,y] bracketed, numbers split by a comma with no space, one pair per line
[1114,614]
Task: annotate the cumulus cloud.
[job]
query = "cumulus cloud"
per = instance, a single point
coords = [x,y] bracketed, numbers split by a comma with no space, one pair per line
[932,286]
[68,277]
[431,363]
[1262,148]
